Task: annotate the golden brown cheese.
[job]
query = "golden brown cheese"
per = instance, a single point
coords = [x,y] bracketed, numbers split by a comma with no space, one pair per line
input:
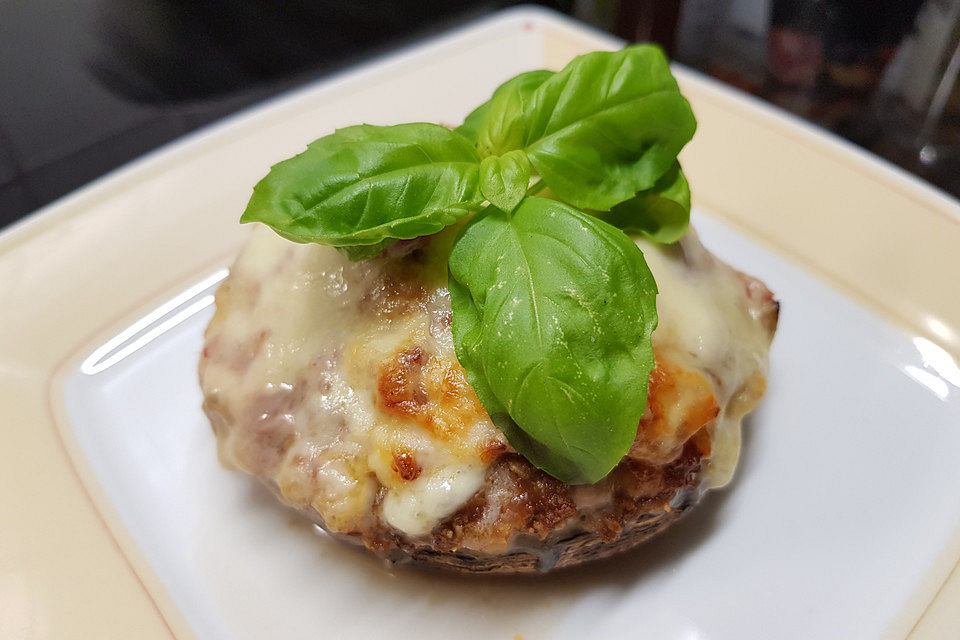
[338,383]
[679,404]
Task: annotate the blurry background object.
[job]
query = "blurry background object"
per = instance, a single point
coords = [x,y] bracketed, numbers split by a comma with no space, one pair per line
[88,86]
[917,107]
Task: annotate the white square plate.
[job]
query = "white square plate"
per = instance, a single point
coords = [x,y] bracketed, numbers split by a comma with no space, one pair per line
[844,519]
[842,500]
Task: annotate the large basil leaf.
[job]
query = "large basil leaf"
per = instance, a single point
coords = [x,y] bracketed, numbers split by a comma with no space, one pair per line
[367,185]
[553,310]
[605,127]
[661,213]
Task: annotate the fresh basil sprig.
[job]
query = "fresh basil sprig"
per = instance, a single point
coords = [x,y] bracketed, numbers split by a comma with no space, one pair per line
[553,305]
[552,315]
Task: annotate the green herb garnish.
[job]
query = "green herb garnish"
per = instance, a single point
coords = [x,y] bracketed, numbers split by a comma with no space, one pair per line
[553,304]
[365,185]
[552,315]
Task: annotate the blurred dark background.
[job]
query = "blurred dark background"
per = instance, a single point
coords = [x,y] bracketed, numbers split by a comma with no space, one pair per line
[88,86]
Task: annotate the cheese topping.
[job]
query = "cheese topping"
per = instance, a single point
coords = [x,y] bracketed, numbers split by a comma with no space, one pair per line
[338,381]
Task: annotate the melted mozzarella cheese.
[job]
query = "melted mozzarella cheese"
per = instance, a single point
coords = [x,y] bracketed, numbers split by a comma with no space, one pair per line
[305,314]
[338,381]
[706,325]
[421,504]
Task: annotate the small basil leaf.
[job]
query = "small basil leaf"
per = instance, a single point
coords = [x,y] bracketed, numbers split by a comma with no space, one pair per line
[502,127]
[524,83]
[553,311]
[605,127]
[504,179]
[366,184]
[661,213]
